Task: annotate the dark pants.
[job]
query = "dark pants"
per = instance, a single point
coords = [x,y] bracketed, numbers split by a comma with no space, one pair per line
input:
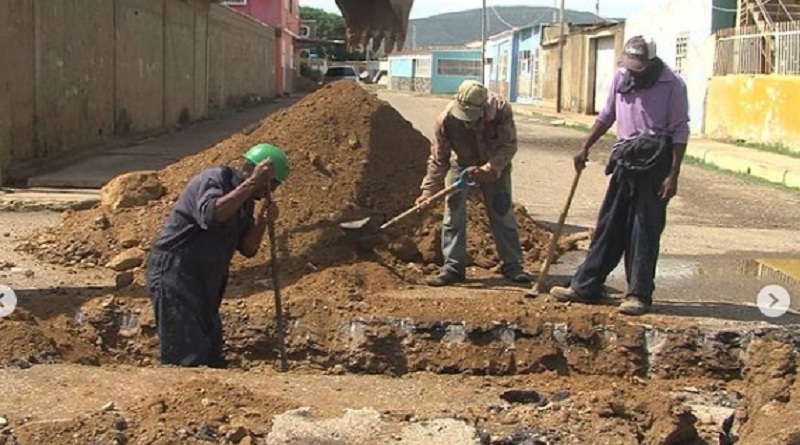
[631,221]
[186,304]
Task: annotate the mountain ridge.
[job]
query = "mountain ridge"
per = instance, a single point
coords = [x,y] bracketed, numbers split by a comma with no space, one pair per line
[453,28]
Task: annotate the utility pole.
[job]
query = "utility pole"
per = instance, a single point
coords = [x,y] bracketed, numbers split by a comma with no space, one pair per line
[483,43]
[597,8]
[559,85]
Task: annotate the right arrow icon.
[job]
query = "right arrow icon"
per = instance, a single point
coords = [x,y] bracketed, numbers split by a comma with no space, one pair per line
[774,301]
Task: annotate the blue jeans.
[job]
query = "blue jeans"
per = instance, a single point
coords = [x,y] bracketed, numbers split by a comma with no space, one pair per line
[631,222]
[497,196]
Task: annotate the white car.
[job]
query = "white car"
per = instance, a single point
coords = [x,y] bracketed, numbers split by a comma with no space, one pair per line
[334,73]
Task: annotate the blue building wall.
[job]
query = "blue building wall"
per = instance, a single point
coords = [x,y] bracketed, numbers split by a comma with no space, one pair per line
[514,67]
[528,39]
[400,66]
[511,45]
[494,50]
[447,84]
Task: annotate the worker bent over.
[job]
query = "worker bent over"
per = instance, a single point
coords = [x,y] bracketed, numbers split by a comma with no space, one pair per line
[478,128]
[650,106]
[187,269]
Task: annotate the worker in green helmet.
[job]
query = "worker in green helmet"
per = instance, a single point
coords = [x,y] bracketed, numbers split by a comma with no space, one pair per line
[187,268]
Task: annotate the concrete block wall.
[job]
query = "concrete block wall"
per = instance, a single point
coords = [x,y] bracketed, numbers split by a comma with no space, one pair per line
[242,58]
[401,83]
[17,81]
[422,85]
[77,73]
[758,109]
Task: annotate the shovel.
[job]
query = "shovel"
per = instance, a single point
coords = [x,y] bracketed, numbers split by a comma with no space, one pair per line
[538,287]
[357,228]
[280,327]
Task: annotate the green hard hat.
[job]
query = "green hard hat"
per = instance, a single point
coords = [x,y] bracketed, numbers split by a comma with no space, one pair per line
[280,163]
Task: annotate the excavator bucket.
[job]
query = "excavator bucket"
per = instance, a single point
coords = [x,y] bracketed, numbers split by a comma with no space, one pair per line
[383,21]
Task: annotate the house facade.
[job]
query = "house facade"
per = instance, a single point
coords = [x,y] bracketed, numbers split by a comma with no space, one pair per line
[591,52]
[434,71]
[284,16]
[512,64]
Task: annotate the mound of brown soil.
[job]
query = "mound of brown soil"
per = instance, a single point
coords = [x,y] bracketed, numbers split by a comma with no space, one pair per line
[352,155]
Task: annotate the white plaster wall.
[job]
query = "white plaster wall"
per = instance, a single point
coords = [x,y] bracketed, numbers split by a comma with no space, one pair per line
[664,21]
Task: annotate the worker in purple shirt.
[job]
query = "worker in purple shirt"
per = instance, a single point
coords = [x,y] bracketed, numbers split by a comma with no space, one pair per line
[649,104]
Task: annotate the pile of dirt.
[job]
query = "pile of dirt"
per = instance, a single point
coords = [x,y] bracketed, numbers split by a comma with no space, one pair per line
[31,339]
[352,156]
[200,411]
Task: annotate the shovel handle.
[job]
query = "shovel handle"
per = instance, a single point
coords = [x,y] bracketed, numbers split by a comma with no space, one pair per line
[545,271]
[280,327]
[438,195]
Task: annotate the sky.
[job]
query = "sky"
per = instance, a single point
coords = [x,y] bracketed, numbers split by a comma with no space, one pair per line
[427,8]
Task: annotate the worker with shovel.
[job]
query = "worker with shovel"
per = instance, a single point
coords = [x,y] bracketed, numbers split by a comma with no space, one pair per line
[479,128]
[187,269]
[649,104]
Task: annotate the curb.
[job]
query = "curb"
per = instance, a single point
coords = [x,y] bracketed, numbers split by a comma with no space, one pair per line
[749,167]
[36,200]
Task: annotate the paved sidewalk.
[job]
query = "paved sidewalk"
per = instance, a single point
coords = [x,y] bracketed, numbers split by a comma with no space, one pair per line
[775,168]
[154,153]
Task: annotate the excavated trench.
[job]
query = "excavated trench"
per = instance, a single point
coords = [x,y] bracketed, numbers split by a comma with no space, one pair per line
[739,367]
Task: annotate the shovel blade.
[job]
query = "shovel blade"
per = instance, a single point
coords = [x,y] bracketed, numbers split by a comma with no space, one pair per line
[355,225]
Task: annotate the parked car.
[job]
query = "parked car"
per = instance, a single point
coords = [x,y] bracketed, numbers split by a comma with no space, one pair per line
[334,73]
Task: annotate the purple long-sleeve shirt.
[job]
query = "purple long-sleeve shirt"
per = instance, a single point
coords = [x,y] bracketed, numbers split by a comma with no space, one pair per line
[662,109]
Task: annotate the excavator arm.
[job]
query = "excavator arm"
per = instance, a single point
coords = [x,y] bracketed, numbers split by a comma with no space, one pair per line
[383,21]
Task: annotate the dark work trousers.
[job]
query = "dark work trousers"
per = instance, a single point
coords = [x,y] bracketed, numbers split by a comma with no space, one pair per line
[631,221]
[186,303]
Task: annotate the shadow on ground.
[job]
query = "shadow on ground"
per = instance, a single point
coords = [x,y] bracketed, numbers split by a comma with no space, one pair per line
[722,311]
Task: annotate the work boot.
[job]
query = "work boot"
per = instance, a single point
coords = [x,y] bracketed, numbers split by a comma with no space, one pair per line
[445,278]
[519,277]
[634,305]
[569,295]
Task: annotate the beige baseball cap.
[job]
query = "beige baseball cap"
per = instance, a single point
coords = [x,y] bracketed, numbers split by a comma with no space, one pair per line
[469,101]
[638,53]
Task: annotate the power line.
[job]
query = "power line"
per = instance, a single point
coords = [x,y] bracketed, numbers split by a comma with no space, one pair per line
[535,21]
[501,19]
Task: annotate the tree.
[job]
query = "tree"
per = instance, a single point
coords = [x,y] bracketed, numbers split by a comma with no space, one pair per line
[329,26]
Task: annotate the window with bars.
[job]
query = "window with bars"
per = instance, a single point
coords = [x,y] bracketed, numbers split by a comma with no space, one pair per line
[458,67]
[681,53]
[423,68]
[525,62]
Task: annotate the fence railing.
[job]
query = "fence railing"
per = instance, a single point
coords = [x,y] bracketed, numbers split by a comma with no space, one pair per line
[748,51]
